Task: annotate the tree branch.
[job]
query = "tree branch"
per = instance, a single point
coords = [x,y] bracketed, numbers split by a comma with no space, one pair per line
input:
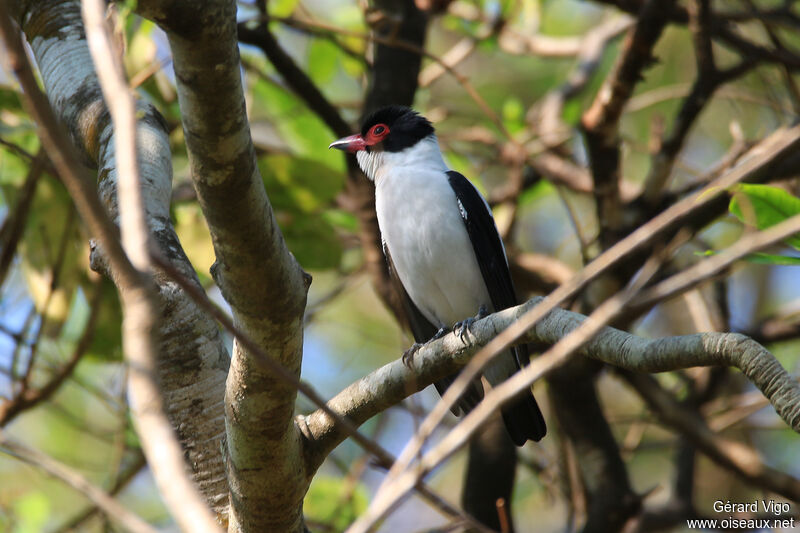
[29,397]
[122,480]
[140,341]
[600,122]
[14,224]
[709,79]
[256,32]
[254,270]
[395,381]
[722,31]
[111,507]
[190,340]
[733,456]
[312,462]
[571,337]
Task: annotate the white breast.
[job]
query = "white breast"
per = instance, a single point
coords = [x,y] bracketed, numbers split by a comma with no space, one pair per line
[420,222]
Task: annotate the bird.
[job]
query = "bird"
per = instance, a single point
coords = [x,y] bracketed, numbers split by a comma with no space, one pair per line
[443,250]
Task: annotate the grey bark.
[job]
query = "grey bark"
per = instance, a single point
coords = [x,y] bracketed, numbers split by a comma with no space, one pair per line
[192,361]
[257,275]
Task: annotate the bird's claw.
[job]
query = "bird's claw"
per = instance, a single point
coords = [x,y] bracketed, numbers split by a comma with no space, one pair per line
[408,355]
[465,326]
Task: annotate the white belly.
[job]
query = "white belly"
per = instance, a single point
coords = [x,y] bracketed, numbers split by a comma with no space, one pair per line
[430,248]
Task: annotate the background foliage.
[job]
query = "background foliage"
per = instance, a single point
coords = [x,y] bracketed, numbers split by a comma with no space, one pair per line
[50,301]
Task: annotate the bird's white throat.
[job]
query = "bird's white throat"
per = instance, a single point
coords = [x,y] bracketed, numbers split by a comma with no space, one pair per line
[426,155]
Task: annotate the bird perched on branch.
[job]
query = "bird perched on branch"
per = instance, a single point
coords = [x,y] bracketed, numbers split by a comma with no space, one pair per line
[441,243]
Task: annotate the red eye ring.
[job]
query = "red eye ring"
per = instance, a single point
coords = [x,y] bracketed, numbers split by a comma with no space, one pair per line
[376,134]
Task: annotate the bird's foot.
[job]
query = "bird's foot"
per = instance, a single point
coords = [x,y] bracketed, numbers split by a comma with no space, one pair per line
[408,355]
[464,327]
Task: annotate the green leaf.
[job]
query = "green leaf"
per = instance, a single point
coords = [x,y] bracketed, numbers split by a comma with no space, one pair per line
[352,66]
[512,108]
[541,189]
[301,190]
[772,259]
[14,166]
[572,111]
[763,206]
[298,183]
[760,258]
[52,235]
[280,100]
[312,241]
[107,339]
[10,99]
[334,502]
[32,511]
[192,230]
[340,218]
[323,60]
[282,8]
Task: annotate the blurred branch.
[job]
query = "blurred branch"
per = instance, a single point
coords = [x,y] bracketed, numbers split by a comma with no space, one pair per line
[313,455]
[521,42]
[52,288]
[256,32]
[776,330]
[733,456]
[593,45]
[562,171]
[29,397]
[72,86]
[532,271]
[608,345]
[14,224]
[111,507]
[709,79]
[722,30]
[713,265]
[547,162]
[18,150]
[460,51]
[600,122]
[140,340]
[769,152]
[123,479]
[770,157]
[607,497]
[396,41]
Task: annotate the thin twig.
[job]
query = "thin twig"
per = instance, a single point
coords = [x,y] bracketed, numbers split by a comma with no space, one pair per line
[14,223]
[122,481]
[111,507]
[32,397]
[383,457]
[403,45]
[396,487]
[781,142]
[139,328]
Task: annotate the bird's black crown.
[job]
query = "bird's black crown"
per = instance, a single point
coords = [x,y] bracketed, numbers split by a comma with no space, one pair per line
[406,126]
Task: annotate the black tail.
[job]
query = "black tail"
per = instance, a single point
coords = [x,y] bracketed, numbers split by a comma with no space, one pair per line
[524,420]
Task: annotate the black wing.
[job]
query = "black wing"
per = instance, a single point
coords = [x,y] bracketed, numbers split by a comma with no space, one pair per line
[523,418]
[423,331]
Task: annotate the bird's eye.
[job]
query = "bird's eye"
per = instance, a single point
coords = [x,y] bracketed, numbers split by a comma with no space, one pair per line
[378,130]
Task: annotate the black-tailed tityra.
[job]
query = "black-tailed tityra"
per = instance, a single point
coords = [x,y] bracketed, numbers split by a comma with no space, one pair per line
[441,242]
